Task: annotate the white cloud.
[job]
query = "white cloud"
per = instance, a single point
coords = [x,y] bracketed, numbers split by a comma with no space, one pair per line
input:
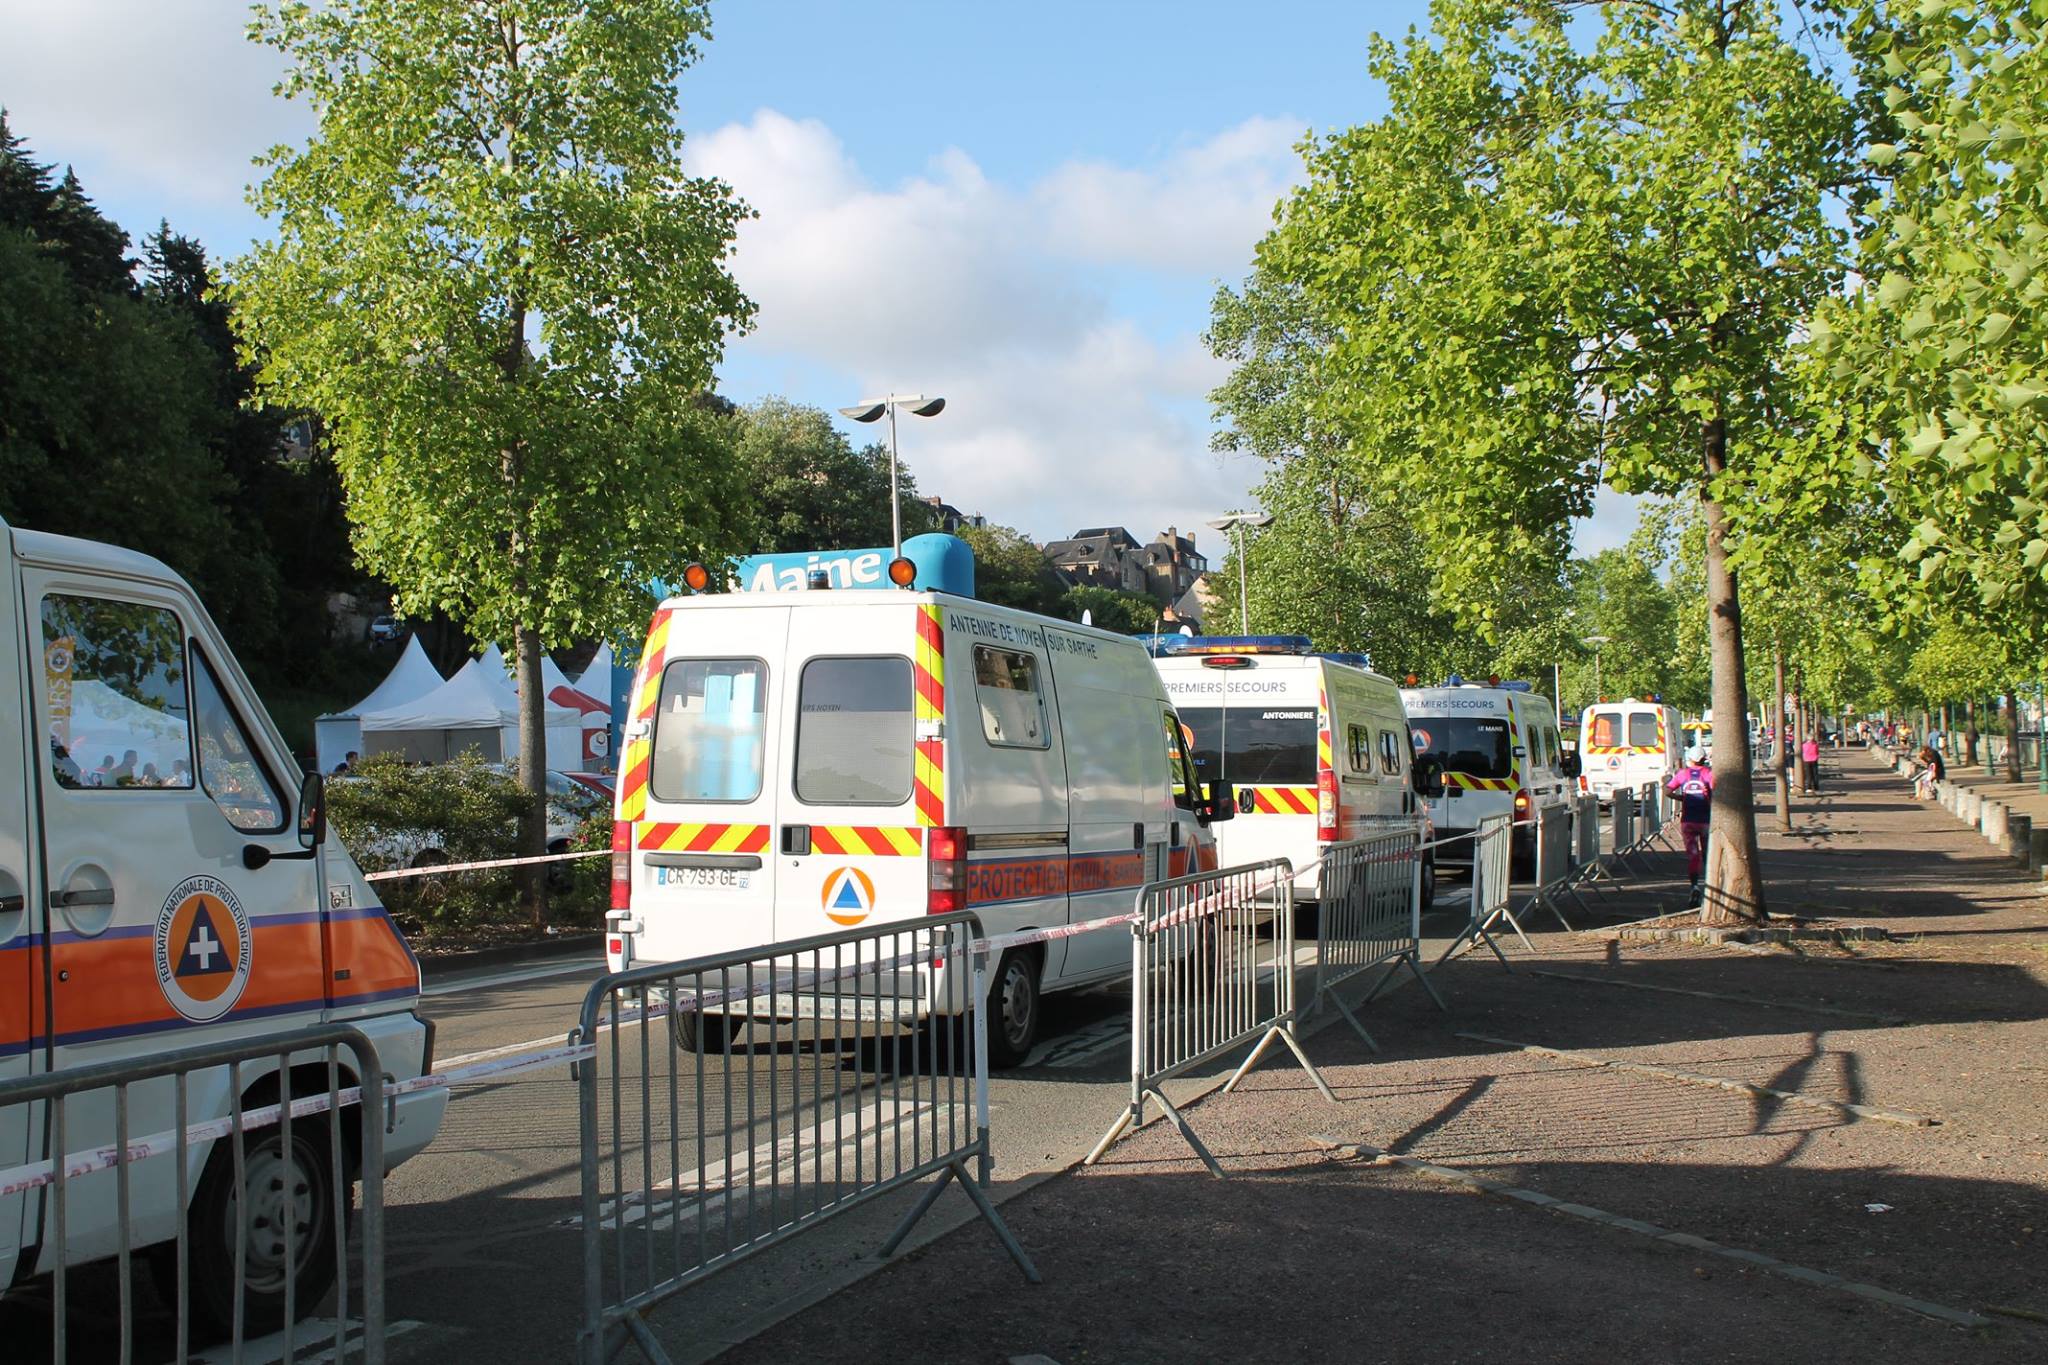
[193,103]
[1066,408]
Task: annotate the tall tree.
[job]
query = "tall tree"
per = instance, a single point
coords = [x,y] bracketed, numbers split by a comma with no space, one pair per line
[499,292]
[1573,254]
[812,490]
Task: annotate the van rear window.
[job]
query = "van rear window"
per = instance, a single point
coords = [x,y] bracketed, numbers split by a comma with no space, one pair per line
[1474,745]
[1244,745]
[1606,730]
[1642,730]
[709,730]
[853,733]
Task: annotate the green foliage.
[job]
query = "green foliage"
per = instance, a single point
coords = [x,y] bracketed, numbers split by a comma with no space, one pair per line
[502,299]
[811,489]
[1010,571]
[1126,613]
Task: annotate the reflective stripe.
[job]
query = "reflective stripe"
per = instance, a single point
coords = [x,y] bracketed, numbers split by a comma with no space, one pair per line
[1282,800]
[667,837]
[928,670]
[638,760]
[870,840]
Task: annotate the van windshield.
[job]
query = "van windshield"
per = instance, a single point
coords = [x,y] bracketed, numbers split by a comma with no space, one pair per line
[1474,745]
[1246,745]
[709,729]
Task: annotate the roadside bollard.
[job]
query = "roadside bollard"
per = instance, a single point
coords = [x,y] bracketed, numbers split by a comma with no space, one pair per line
[2019,837]
[1992,823]
[2037,850]
[1972,803]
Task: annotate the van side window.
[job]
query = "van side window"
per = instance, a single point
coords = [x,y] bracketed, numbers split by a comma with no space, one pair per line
[114,694]
[1012,705]
[228,766]
[1179,764]
[709,730]
[853,732]
[1390,752]
[1358,749]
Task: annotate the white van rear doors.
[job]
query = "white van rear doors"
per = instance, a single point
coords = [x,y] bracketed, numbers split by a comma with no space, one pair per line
[703,846]
[849,842]
[17,884]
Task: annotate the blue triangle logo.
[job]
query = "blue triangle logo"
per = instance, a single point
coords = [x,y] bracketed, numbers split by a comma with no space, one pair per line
[849,895]
[204,954]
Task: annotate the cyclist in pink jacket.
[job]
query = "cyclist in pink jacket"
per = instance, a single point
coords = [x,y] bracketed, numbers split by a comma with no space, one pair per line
[1693,785]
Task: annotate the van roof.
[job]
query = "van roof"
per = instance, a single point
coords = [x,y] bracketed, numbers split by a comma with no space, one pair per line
[1191,662]
[875,599]
[71,552]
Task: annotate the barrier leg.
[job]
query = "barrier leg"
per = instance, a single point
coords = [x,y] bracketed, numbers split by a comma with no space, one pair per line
[1414,961]
[1352,1019]
[644,1339]
[955,1171]
[1549,902]
[1116,1130]
[1188,1134]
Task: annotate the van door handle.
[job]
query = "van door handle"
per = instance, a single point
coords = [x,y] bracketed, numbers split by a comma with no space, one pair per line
[96,895]
[1137,834]
[796,840]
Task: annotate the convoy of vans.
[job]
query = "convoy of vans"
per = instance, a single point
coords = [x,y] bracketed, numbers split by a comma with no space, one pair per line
[1499,751]
[1315,746]
[166,881]
[802,761]
[1625,744]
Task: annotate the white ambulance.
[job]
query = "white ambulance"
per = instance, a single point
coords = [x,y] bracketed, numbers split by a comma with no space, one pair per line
[1500,754]
[166,881]
[1625,744]
[799,762]
[1314,746]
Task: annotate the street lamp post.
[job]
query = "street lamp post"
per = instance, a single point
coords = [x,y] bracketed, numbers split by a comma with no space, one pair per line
[1593,642]
[1240,520]
[871,410]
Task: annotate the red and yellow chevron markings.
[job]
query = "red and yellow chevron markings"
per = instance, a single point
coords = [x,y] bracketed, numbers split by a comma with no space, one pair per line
[867,840]
[661,837]
[928,669]
[1323,763]
[1467,782]
[639,756]
[1282,800]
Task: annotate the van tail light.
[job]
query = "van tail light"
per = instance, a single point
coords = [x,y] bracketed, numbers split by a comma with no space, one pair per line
[1521,805]
[946,867]
[622,865]
[1326,805]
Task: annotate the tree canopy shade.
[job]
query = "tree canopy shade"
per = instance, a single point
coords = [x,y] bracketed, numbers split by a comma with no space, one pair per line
[497,289]
[1567,254]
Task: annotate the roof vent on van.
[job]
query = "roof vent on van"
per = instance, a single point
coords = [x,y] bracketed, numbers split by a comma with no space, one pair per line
[820,580]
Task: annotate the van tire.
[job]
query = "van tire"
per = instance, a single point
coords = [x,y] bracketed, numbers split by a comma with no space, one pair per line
[305,1182]
[1428,880]
[1016,1007]
[691,1027]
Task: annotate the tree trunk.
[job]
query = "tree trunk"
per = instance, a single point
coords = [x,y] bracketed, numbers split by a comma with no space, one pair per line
[1734,887]
[533,772]
[2012,736]
[1970,733]
[1781,780]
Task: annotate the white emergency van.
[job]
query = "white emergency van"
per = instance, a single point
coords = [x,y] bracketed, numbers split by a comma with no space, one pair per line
[1314,746]
[800,762]
[1500,754]
[1626,744]
[166,882]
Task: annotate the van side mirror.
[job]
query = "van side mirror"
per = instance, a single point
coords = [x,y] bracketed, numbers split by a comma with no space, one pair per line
[312,811]
[1428,777]
[1568,763]
[1221,803]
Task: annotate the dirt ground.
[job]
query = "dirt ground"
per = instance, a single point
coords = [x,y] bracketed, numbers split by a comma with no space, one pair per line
[1705,1224]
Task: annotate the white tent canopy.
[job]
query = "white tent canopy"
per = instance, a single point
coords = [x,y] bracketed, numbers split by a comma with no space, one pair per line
[414,675]
[564,720]
[598,673]
[475,709]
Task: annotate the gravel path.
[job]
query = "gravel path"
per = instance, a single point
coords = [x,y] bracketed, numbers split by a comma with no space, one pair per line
[1314,1250]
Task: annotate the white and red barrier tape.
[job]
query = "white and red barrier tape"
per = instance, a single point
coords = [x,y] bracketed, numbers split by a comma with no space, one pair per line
[436,869]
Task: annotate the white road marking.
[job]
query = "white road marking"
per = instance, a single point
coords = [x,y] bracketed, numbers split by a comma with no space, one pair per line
[1083,1045]
[312,1342]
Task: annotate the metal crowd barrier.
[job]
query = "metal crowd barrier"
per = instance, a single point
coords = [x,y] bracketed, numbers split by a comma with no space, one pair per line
[1554,863]
[1370,899]
[1205,981]
[767,1089]
[1622,840]
[137,1192]
[1492,882]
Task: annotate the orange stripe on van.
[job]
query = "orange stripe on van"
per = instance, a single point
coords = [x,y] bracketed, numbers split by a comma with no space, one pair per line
[1283,800]
[928,673]
[867,840]
[670,837]
[638,760]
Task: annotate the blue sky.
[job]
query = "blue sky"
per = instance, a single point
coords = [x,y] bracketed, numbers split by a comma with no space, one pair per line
[1024,208]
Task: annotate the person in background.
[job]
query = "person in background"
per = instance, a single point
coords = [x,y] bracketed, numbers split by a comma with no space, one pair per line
[122,774]
[1693,785]
[1932,770]
[1809,766]
[347,764]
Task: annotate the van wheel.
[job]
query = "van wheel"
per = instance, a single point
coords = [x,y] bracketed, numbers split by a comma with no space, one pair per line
[1014,1010]
[691,1027]
[287,1184]
[1428,881]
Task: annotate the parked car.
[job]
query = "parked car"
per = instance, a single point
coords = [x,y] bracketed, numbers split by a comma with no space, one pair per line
[385,630]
